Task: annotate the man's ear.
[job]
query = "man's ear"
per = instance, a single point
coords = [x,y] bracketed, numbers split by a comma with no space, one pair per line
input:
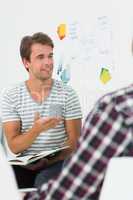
[26,63]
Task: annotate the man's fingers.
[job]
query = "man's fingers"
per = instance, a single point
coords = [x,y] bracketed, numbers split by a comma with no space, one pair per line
[36,116]
[50,119]
[50,122]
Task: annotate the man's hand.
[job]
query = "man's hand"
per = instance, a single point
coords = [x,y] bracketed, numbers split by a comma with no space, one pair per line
[38,165]
[43,124]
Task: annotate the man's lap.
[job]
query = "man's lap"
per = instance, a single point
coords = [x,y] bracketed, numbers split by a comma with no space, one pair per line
[27,178]
[49,173]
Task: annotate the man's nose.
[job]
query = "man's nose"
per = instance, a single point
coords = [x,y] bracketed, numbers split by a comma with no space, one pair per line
[47,61]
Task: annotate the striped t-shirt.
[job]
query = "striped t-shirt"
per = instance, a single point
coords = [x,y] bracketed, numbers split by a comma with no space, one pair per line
[17,104]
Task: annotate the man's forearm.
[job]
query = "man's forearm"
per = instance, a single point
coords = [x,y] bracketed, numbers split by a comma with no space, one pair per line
[18,142]
[23,141]
[64,154]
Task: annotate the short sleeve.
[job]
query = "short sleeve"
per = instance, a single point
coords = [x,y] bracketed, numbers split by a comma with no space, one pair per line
[72,105]
[9,104]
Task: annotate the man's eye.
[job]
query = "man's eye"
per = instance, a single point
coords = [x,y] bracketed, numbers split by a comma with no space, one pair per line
[50,56]
[41,57]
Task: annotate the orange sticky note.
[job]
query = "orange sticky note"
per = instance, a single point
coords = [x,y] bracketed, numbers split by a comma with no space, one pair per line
[61,30]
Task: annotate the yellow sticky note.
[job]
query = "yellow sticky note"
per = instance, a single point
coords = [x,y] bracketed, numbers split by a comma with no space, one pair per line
[61,31]
[105,76]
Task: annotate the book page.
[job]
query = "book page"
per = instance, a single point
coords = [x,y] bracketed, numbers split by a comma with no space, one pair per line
[24,160]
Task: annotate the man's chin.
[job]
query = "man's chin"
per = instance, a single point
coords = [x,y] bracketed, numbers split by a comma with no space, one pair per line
[45,78]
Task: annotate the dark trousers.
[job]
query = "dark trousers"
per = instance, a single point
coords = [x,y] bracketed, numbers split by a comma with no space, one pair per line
[27,178]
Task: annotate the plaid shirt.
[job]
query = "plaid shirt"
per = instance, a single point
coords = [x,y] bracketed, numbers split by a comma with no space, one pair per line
[107,132]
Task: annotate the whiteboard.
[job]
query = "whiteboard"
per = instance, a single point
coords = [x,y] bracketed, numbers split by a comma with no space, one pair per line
[97,39]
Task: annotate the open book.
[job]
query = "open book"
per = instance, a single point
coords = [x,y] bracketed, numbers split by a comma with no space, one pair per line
[25,160]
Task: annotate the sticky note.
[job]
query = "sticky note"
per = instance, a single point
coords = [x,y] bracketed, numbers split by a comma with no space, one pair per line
[61,31]
[105,76]
[65,76]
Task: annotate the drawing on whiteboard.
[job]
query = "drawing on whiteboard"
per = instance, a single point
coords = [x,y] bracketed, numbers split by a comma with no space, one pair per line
[85,46]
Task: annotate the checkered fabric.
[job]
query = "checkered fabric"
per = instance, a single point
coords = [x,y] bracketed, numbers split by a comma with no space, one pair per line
[107,132]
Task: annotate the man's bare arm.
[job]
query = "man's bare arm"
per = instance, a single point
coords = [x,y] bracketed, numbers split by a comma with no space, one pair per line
[73,130]
[17,141]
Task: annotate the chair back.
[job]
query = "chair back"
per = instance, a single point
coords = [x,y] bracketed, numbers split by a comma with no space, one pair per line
[118,182]
[8,185]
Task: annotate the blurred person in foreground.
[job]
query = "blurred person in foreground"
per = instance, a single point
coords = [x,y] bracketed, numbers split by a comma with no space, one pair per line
[107,132]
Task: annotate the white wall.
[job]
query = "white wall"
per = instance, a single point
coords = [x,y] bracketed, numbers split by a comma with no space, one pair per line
[19,18]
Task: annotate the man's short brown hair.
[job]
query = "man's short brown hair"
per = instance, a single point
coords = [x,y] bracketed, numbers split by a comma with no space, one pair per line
[28,41]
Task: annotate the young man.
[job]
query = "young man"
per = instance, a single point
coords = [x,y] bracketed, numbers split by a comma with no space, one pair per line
[40,113]
[107,133]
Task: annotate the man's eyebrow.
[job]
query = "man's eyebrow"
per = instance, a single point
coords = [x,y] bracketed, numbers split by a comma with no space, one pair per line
[41,54]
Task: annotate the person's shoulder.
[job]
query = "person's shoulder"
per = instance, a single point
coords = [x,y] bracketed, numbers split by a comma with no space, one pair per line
[13,89]
[119,97]
[116,100]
